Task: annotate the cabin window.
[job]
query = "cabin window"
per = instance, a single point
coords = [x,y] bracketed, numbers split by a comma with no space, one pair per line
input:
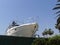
[15,29]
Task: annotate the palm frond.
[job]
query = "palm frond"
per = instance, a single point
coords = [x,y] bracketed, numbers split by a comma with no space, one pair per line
[57,4]
[56,8]
[58,1]
[58,15]
[57,12]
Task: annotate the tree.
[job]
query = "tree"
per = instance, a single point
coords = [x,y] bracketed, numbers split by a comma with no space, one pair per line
[50,32]
[47,32]
[57,25]
[44,32]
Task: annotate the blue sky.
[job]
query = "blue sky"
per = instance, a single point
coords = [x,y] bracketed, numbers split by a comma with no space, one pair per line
[21,10]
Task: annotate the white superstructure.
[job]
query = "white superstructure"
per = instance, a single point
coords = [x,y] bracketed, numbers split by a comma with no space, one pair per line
[23,30]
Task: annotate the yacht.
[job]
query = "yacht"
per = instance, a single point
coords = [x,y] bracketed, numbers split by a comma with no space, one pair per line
[23,30]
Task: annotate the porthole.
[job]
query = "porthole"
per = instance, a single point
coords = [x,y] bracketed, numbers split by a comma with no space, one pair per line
[15,29]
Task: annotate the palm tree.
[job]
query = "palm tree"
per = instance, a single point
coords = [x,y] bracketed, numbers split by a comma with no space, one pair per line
[57,25]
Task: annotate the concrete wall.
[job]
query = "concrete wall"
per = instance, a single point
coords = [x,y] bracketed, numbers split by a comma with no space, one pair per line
[11,40]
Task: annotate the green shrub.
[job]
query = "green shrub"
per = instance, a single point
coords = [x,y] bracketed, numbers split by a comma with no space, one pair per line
[40,41]
[55,40]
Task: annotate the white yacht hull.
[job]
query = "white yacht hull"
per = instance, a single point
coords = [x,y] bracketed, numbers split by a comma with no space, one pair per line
[24,30]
